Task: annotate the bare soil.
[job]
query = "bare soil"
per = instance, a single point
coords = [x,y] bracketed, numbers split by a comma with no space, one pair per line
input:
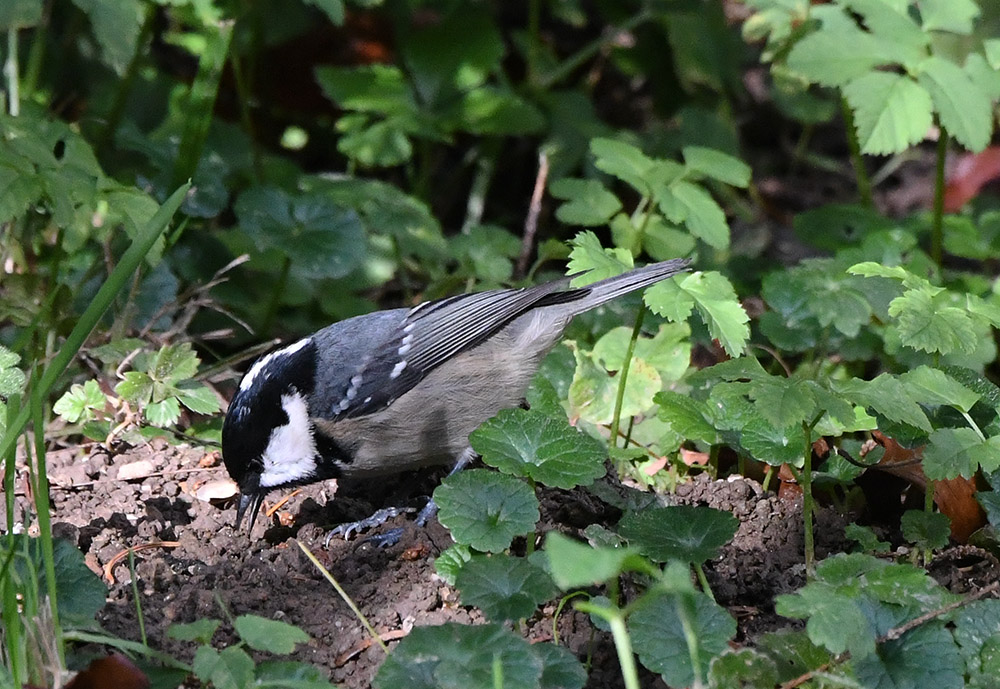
[190,560]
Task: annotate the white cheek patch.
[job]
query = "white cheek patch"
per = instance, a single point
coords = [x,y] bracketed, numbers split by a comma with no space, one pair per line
[263,363]
[291,449]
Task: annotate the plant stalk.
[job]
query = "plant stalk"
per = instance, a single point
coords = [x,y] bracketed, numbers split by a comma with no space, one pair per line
[623,379]
[937,219]
[857,161]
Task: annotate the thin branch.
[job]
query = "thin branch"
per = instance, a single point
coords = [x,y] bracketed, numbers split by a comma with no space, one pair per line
[531,221]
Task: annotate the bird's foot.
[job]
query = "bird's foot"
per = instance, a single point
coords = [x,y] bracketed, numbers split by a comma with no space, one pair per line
[427,513]
[377,519]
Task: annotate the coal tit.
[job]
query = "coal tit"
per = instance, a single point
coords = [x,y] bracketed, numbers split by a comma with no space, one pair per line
[399,389]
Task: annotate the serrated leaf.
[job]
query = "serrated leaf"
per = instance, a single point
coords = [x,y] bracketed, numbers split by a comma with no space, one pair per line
[891,111]
[588,203]
[977,632]
[933,386]
[574,564]
[834,57]
[701,214]
[784,402]
[925,324]
[949,453]
[200,399]
[164,413]
[593,261]
[546,449]
[458,656]
[658,634]
[924,657]
[716,300]
[273,636]
[927,530]
[771,444]
[965,110]
[116,25]
[687,417]
[887,395]
[80,402]
[681,532]
[948,15]
[717,165]
[137,387]
[449,562]
[667,299]
[742,667]
[624,161]
[485,509]
[174,363]
[504,587]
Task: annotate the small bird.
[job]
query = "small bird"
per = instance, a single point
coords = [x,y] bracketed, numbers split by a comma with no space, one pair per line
[399,389]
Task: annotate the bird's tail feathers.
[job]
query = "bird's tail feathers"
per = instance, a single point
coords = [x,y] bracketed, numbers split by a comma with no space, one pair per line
[582,299]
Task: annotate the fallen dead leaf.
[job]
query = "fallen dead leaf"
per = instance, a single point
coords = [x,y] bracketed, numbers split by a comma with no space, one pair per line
[135,470]
[220,489]
[113,672]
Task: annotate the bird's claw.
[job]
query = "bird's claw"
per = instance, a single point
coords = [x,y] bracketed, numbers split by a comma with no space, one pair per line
[376,519]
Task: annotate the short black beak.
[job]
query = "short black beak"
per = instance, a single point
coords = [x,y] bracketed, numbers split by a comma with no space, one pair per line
[251,502]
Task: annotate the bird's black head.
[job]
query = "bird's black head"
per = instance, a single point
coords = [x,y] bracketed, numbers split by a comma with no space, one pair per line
[268,440]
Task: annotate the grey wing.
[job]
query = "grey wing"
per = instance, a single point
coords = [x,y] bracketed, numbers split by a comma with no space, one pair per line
[433,332]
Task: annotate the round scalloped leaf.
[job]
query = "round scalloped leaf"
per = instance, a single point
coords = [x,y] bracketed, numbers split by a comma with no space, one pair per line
[485,509]
[544,448]
[659,638]
[681,532]
[504,587]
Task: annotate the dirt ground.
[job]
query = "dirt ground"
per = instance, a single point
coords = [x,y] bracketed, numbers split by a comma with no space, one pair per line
[192,559]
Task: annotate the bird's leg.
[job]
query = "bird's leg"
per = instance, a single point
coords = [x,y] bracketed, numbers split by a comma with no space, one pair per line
[391,537]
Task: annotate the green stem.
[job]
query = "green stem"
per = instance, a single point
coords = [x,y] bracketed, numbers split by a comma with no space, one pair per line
[807,499]
[40,479]
[11,70]
[860,173]
[937,220]
[534,31]
[623,379]
[703,580]
[570,64]
[684,612]
[623,645]
[245,98]
[271,312]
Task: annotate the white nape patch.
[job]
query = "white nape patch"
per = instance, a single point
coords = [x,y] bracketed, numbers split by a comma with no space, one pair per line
[397,369]
[291,450]
[263,363]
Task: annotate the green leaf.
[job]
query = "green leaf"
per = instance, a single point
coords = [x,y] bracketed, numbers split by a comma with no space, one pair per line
[201,630]
[290,674]
[548,450]
[136,387]
[80,402]
[333,9]
[716,300]
[700,213]
[504,587]
[593,262]
[20,14]
[926,324]
[624,161]
[836,57]
[991,47]
[485,509]
[575,565]
[771,444]
[116,25]
[935,387]
[321,239]
[560,668]
[742,667]
[174,363]
[926,530]
[949,453]
[784,402]
[977,632]
[11,378]
[687,417]
[681,532]
[793,652]
[667,299]
[593,392]
[163,413]
[588,203]
[717,165]
[924,657]
[658,634]
[458,656]
[891,112]
[948,15]
[230,669]
[273,636]
[448,563]
[200,399]
[490,111]
[965,110]
[887,395]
